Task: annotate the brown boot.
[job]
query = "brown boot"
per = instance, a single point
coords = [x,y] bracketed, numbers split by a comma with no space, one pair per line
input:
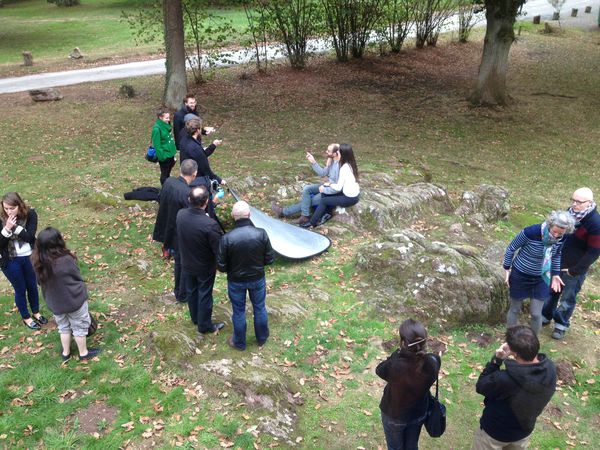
[303,219]
[277,210]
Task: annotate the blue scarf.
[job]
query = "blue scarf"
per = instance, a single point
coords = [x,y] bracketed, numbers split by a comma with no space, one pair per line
[548,242]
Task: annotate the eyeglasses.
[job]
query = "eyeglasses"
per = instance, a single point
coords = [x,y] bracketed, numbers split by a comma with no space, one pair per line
[579,202]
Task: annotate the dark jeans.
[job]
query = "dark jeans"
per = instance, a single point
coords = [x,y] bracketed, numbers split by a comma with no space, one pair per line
[200,299]
[328,202]
[19,272]
[165,169]
[257,290]
[179,290]
[562,312]
[400,435]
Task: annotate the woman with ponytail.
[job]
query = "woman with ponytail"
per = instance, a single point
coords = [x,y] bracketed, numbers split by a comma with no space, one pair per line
[409,373]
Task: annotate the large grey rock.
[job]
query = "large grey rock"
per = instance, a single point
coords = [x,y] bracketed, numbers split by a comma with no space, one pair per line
[409,275]
[487,203]
[45,95]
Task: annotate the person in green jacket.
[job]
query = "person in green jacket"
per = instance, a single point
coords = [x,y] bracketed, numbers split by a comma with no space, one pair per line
[163,142]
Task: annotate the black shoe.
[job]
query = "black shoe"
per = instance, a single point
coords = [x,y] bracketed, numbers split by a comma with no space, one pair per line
[324,219]
[305,225]
[215,327]
[33,325]
[65,358]
[92,352]
[41,320]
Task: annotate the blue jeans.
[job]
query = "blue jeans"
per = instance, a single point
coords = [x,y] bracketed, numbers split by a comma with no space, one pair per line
[310,197]
[19,272]
[329,202]
[400,435]
[257,290]
[562,312]
[200,299]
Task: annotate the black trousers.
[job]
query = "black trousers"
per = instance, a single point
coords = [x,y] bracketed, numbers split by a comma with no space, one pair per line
[165,169]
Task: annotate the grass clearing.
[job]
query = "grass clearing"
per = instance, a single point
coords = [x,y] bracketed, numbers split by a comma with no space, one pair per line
[95,26]
[73,159]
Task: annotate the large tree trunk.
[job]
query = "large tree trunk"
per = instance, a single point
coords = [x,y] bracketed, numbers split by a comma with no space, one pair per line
[175,81]
[499,36]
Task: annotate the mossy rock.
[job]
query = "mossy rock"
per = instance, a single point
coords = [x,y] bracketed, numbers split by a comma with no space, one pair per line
[175,344]
[432,280]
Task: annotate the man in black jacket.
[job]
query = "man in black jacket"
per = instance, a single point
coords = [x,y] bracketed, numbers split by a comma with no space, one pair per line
[516,396]
[199,238]
[173,197]
[188,108]
[243,254]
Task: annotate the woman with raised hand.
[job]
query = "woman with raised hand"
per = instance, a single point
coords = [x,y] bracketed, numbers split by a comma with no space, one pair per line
[346,190]
[64,290]
[409,373]
[535,270]
[18,225]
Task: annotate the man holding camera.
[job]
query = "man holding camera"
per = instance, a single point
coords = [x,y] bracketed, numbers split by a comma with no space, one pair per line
[515,396]
[310,193]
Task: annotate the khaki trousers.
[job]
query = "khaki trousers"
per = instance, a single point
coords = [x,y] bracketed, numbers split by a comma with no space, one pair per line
[483,441]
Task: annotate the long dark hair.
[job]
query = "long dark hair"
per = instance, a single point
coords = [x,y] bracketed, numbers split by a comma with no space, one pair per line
[14,199]
[49,246]
[347,156]
[413,336]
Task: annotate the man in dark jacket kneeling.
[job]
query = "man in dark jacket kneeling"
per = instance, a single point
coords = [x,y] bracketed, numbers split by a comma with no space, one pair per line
[243,254]
[516,396]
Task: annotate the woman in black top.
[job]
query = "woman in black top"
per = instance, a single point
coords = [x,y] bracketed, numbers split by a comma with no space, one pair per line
[409,373]
[18,225]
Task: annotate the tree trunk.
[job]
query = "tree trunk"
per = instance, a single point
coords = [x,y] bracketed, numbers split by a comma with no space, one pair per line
[499,36]
[175,81]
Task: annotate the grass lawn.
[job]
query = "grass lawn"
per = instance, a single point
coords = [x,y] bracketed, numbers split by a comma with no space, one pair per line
[95,26]
[73,159]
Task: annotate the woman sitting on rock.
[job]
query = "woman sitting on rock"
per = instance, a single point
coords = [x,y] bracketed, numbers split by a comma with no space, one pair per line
[346,189]
[536,268]
[409,373]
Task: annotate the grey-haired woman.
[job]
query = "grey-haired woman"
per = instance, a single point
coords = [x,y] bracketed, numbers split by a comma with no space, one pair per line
[535,270]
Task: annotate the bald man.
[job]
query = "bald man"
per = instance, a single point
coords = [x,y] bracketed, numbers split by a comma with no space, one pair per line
[579,252]
[243,254]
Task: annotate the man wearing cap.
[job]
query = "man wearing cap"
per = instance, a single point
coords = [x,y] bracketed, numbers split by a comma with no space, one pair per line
[580,250]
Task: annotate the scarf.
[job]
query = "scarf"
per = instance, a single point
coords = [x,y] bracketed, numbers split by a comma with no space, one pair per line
[548,242]
[578,216]
[12,251]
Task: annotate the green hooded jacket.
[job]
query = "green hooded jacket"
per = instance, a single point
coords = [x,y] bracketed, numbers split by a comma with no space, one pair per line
[162,140]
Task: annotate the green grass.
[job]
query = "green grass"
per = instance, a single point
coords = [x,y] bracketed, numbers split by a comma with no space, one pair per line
[73,159]
[95,26]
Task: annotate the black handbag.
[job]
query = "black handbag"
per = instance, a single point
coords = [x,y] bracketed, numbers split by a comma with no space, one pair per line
[93,326]
[435,423]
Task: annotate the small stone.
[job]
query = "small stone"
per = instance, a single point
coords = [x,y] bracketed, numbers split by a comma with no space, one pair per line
[45,95]
[76,54]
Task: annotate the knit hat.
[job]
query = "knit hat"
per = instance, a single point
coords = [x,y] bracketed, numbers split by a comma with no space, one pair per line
[190,116]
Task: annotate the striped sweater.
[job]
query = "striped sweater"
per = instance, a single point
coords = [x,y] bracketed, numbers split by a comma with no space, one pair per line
[530,254]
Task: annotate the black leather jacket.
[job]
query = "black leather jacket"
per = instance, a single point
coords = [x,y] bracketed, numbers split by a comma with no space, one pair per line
[244,252]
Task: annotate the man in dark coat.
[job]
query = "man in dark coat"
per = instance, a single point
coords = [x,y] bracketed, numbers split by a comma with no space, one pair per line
[516,396]
[199,237]
[243,254]
[580,250]
[189,109]
[173,197]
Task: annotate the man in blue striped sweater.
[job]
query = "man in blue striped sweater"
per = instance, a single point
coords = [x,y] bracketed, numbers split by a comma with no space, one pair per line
[535,270]
[580,251]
